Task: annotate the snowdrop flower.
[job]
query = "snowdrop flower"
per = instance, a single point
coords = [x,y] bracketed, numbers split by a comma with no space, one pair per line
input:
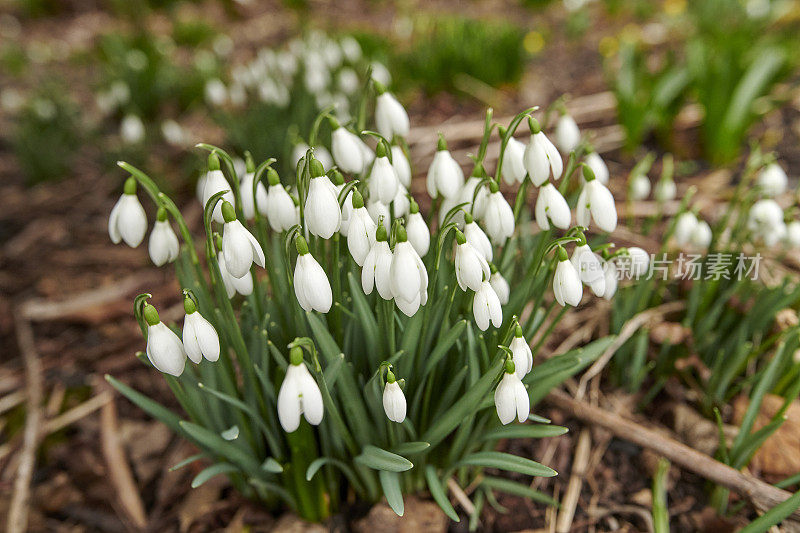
[417,230]
[164,348]
[348,81]
[445,176]
[361,231]
[500,285]
[215,182]
[470,265]
[552,207]
[467,195]
[383,181]
[590,269]
[380,73]
[701,235]
[567,135]
[377,266]
[401,166]
[514,162]
[510,397]
[401,204]
[639,261]
[684,228]
[241,249]
[350,48]
[772,180]
[639,187]
[243,285]
[521,353]
[596,202]
[409,279]
[132,129]
[394,401]
[347,149]
[311,285]
[477,238]
[390,116]
[792,237]
[127,221]
[215,92]
[567,286]
[279,207]
[320,152]
[378,210]
[541,156]
[498,216]
[163,245]
[666,190]
[249,202]
[765,220]
[486,307]
[598,166]
[200,339]
[322,215]
[611,280]
[299,395]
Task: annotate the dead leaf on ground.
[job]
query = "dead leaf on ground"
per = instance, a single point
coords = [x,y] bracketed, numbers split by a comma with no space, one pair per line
[420,515]
[777,458]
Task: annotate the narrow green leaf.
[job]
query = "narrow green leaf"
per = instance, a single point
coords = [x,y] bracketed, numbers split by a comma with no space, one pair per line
[380,459]
[316,464]
[774,516]
[507,461]
[364,313]
[524,431]
[211,471]
[518,489]
[439,494]
[189,460]
[390,482]
[152,408]
[447,342]
[271,465]
[411,448]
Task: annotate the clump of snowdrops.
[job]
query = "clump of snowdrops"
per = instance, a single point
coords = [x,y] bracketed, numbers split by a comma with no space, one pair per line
[344,346]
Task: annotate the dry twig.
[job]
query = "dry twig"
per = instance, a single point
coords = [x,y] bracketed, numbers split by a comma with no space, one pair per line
[573,493]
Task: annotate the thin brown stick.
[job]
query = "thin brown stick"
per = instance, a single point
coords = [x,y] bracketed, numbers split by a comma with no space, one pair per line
[573,492]
[763,495]
[460,496]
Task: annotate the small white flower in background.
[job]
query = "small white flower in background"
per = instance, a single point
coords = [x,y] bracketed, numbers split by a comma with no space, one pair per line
[639,262]
[552,207]
[567,134]
[311,285]
[598,166]
[128,221]
[470,265]
[567,287]
[772,180]
[390,116]
[665,191]
[215,182]
[378,210]
[500,285]
[498,216]
[174,133]
[521,354]
[401,166]
[164,348]
[241,249]
[417,230]
[322,214]
[200,339]
[765,220]
[350,48]
[381,74]
[408,276]
[611,276]
[243,285]
[639,187]
[701,235]
[541,156]
[511,398]
[320,152]
[383,181]
[348,81]
[486,307]
[163,245]
[590,268]
[445,176]
[401,203]
[466,195]
[514,162]
[792,237]
[361,230]
[279,207]
[299,395]
[684,228]
[131,129]
[596,202]
[249,202]
[347,150]
[394,401]
[215,92]
[377,266]
[477,238]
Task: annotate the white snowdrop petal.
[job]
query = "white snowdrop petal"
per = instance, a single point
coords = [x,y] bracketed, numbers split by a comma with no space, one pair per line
[165,350]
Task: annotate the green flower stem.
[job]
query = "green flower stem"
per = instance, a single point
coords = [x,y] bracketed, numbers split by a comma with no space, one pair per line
[512,128]
[488,126]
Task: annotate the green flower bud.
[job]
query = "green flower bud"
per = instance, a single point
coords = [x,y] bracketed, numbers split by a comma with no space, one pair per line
[401,234]
[250,165]
[189,306]
[460,238]
[477,172]
[336,177]
[228,213]
[510,367]
[130,186]
[213,161]
[316,168]
[413,206]
[588,173]
[379,87]
[533,124]
[493,186]
[161,214]
[468,218]
[272,177]
[442,144]
[381,234]
[380,150]
[301,245]
[518,331]
[296,355]
[150,314]
[358,200]
[562,253]
[390,377]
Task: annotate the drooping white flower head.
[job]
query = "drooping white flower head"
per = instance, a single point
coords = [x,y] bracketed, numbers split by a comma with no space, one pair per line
[590,268]
[598,166]
[417,230]
[684,228]
[215,182]
[408,276]
[377,266]
[164,348]
[514,162]
[612,281]
[361,230]
[477,238]
[521,353]
[665,191]
[311,285]
[401,205]
[470,265]
[390,116]
[552,207]
[701,235]
[486,307]
[445,176]
[322,214]
[131,129]
[383,182]
[200,339]
[765,221]
[772,180]
[240,247]
[250,201]
[498,216]
[541,156]
[568,135]
[128,221]
[394,401]
[347,150]
[401,166]
[243,285]
[596,202]
[299,395]
[638,262]
[378,210]
[639,187]
[279,207]
[792,237]
[467,195]
[567,286]
[500,285]
[163,245]
[510,397]
[320,152]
